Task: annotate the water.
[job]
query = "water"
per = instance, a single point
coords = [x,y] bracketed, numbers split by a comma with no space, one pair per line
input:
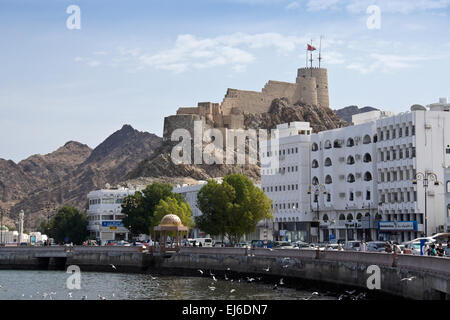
[46,285]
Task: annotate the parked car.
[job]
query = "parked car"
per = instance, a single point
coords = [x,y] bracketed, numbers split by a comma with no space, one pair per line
[111,243]
[332,246]
[262,244]
[23,244]
[301,244]
[352,245]
[123,243]
[376,246]
[283,245]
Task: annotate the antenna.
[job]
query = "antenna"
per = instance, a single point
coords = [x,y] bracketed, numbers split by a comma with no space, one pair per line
[311,59]
[320,50]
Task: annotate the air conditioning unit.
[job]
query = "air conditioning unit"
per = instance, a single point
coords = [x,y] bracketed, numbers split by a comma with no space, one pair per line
[342,177]
[431,193]
[342,194]
[441,228]
[358,193]
[358,174]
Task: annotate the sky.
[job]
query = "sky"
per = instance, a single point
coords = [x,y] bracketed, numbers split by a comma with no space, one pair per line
[137,61]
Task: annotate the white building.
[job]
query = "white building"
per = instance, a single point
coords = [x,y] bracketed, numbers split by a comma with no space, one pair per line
[105,214]
[361,177]
[447,198]
[285,175]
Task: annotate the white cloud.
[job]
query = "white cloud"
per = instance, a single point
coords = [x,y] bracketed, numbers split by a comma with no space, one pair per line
[293,5]
[386,63]
[317,5]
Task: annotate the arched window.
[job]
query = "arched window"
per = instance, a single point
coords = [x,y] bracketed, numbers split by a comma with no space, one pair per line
[378,216]
[367,176]
[359,217]
[325,217]
[367,214]
[375,138]
[314,147]
[351,178]
[349,217]
[350,160]
[367,157]
[342,217]
[328,162]
[350,142]
[315,163]
[315,181]
[367,139]
[328,179]
[337,143]
[327,144]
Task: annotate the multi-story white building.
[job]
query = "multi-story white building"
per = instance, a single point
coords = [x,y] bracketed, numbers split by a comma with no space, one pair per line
[361,177]
[285,175]
[105,214]
[447,198]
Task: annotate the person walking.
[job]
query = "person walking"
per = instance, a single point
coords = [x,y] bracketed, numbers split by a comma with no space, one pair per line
[388,247]
[363,246]
[426,249]
[440,250]
[432,250]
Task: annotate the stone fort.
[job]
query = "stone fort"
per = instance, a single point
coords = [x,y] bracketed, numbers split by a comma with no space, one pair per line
[310,87]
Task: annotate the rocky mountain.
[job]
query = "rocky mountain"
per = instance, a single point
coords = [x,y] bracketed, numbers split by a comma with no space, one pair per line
[67,175]
[347,112]
[161,165]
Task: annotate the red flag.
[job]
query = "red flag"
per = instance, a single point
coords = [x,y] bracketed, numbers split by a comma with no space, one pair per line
[311,48]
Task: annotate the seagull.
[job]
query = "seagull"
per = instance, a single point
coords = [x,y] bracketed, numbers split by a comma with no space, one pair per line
[226,278]
[23,295]
[101,297]
[408,279]
[351,292]
[214,278]
[210,273]
[267,270]
[250,279]
[312,294]
[201,272]
[281,282]
[228,269]
[113,266]
[232,290]
[212,288]
[70,294]
[113,295]
[286,266]
[275,287]
[83,297]
[153,278]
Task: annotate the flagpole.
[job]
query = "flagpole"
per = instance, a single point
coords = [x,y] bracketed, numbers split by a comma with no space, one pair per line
[311,57]
[320,50]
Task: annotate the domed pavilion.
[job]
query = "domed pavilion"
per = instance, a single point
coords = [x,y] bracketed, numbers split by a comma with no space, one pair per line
[170,222]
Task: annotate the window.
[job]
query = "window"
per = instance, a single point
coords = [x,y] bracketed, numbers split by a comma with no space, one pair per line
[366,139]
[448,186]
[328,179]
[400,132]
[413,130]
[328,197]
[367,158]
[314,147]
[315,181]
[328,162]
[367,195]
[350,160]
[350,178]
[315,163]
[350,142]
[327,144]
[367,176]
[406,131]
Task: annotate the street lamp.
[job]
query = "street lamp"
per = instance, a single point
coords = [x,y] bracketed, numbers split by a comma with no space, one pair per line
[316,189]
[424,177]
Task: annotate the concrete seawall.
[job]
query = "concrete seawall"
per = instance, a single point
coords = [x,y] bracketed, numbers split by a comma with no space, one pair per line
[431,274]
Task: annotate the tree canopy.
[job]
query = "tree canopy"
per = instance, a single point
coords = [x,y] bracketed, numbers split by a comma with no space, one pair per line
[139,209]
[232,208]
[68,223]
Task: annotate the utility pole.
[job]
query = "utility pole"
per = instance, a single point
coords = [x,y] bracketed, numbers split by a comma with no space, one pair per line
[428,175]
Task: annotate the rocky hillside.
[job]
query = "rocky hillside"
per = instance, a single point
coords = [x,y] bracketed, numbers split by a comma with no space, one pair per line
[347,112]
[85,171]
[161,165]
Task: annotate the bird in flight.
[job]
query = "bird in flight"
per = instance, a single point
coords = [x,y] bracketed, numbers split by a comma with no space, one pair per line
[281,282]
[214,278]
[232,290]
[408,279]
[212,288]
[152,277]
[201,272]
[113,266]
[267,269]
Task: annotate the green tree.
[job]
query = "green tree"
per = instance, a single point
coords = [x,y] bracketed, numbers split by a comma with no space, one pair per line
[171,205]
[139,209]
[232,208]
[69,223]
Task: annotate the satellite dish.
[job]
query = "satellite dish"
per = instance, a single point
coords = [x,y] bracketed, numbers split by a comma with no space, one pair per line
[107,186]
[418,107]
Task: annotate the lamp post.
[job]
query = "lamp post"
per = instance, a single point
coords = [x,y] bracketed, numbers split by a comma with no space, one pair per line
[424,177]
[316,189]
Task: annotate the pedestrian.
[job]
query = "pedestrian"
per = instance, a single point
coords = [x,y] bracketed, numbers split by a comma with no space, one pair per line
[340,247]
[425,249]
[363,246]
[397,249]
[388,247]
[440,250]
[432,250]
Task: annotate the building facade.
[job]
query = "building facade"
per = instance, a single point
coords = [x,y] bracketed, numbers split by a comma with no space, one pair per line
[105,214]
[285,175]
[447,197]
[366,180]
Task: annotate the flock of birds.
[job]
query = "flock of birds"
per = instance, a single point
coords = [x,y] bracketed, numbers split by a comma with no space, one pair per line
[348,295]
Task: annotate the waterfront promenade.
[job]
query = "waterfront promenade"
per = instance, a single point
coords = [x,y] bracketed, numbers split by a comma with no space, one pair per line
[408,276]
